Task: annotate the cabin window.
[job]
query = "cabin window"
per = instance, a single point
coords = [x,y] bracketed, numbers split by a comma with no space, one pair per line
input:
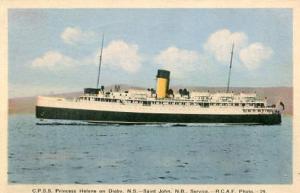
[146,103]
[259,110]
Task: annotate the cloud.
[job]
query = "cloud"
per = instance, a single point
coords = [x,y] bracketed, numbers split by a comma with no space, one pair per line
[119,54]
[253,55]
[220,42]
[53,60]
[116,55]
[74,35]
[179,61]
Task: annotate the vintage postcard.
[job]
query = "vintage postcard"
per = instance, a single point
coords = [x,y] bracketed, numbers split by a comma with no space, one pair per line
[149,97]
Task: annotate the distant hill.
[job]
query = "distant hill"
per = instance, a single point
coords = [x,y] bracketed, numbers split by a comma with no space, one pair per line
[274,95]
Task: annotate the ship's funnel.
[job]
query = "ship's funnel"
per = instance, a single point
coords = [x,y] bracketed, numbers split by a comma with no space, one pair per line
[162,83]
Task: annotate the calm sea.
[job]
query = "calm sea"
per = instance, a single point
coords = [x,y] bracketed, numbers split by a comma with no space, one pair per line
[193,154]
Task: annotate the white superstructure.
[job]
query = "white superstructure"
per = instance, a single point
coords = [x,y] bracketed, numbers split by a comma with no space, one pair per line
[146,102]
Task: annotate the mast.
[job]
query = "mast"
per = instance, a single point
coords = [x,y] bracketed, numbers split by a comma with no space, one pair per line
[100,60]
[228,82]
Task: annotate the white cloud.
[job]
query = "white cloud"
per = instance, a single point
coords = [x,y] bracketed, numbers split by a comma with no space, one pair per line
[220,42]
[116,55]
[119,54]
[53,60]
[74,35]
[253,55]
[179,61]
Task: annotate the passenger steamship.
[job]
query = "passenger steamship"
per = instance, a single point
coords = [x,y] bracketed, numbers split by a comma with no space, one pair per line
[160,105]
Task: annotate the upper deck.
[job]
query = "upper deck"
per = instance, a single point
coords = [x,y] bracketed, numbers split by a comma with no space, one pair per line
[249,102]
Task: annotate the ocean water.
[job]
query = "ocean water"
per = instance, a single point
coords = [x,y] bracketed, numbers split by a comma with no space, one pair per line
[145,154]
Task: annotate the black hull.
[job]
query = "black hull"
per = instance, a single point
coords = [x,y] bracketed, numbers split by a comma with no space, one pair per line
[138,118]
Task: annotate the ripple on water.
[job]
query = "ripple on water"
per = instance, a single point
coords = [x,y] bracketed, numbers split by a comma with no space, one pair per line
[168,178]
[207,177]
[128,180]
[77,167]
[31,169]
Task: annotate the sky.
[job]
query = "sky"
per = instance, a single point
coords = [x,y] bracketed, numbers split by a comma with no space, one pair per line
[57,50]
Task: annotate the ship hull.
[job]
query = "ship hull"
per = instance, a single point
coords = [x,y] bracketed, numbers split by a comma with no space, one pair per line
[148,118]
